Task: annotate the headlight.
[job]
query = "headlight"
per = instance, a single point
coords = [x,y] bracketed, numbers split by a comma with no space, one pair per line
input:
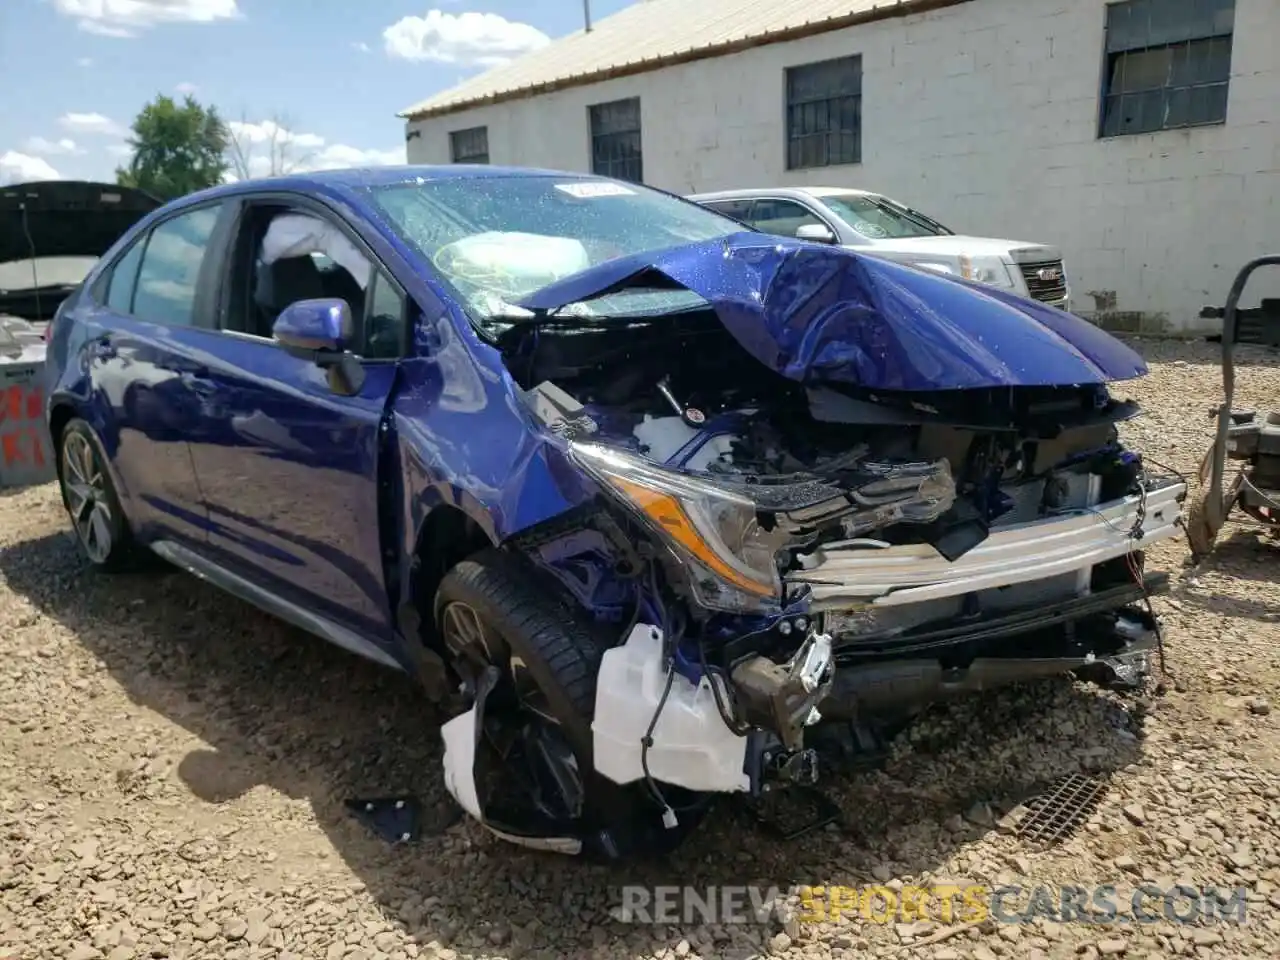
[989,270]
[712,530]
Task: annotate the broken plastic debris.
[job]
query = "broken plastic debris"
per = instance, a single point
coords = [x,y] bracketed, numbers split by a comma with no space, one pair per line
[394,819]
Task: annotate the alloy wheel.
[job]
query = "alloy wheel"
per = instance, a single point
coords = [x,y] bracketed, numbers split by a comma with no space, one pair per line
[88,501]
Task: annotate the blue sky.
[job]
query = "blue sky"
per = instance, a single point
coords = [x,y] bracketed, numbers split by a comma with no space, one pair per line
[75,72]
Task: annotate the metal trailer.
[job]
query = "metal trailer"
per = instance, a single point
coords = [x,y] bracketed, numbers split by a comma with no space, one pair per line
[1242,436]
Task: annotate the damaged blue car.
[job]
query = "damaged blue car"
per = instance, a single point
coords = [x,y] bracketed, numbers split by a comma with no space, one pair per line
[656,508]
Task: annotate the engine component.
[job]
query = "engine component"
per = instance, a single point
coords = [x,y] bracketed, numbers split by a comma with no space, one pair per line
[783,698]
[898,493]
[691,746]
[561,413]
[692,416]
[873,494]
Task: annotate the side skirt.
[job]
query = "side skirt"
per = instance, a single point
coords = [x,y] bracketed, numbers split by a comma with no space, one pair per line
[265,600]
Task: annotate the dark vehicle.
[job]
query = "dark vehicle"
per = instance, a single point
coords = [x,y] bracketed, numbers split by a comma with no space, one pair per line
[52,233]
[648,501]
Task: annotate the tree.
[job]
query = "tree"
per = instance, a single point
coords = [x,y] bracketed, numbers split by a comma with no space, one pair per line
[177,149]
[267,149]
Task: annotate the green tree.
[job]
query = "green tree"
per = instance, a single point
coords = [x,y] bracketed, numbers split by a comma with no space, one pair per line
[177,149]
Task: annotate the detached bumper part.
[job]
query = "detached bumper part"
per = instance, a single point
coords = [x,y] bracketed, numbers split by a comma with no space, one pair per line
[463,738]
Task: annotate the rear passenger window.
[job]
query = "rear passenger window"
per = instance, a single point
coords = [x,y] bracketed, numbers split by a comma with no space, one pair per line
[123,276]
[740,210]
[166,288]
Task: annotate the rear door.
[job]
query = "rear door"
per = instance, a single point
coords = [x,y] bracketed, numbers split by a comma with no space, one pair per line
[147,324]
[290,470]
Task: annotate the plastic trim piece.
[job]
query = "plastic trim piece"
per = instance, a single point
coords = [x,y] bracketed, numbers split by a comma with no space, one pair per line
[853,573]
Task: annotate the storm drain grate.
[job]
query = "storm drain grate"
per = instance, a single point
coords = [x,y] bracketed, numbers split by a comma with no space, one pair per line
[1060,810]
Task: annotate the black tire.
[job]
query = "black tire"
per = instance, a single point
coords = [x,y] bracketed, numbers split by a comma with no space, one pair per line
[562,654]
[107,541]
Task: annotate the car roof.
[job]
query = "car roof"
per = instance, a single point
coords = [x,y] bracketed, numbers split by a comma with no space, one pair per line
[746,193]
[354,178]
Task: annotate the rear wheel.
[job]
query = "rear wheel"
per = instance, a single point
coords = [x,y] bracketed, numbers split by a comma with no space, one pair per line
[491,610]
[91,500]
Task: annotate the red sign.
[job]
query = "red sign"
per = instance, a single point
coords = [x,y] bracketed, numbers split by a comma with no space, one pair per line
[21,427]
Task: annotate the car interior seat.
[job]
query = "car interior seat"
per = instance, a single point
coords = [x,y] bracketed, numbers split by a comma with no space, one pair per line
[284,282]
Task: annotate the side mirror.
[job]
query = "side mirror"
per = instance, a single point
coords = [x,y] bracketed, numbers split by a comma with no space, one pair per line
[817,232]
[320,331]
[308,326]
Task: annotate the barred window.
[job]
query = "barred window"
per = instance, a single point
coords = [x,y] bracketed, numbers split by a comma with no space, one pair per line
[824,113]
[615,140]
[1168,65]
[469,146]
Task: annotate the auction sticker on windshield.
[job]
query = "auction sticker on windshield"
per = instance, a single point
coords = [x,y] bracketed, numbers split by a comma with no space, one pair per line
[589,190]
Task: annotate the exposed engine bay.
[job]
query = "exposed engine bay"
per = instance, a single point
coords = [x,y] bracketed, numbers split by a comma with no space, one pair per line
[849,503]
[782,561]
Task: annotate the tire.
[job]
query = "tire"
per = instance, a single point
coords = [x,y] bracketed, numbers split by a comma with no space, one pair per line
[89,496]
[1200,536]
[562,655]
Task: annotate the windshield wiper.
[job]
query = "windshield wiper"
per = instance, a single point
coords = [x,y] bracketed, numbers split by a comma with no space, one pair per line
[921,219]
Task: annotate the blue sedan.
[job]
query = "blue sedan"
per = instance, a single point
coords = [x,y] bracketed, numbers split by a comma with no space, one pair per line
[640,495]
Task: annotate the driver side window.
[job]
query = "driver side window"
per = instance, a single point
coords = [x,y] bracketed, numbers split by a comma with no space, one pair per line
[782,217]
[290,255]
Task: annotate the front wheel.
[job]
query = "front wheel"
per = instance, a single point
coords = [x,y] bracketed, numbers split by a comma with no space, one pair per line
[91,501]
[492,611]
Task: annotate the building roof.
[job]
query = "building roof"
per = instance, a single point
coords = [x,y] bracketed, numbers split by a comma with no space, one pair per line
[651,34]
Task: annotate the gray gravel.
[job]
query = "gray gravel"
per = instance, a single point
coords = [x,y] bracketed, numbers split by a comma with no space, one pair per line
[173,766]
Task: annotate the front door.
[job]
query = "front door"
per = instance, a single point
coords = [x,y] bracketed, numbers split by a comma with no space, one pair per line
[291,478]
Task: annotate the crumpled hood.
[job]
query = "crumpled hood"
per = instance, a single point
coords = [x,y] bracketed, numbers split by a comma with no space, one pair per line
[816,313]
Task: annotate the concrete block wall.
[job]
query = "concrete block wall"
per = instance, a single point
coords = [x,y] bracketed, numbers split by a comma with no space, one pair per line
[985,116]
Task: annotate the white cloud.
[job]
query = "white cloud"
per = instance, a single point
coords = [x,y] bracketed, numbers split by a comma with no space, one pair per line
[20,168]
[361,46]
[186,89]
[268,131]
[472,38]
[120,150]
[92,123]
[127,18]
[337,155]
[267,147]
[40,145]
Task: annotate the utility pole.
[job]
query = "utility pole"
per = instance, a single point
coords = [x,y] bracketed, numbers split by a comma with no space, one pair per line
[586,15]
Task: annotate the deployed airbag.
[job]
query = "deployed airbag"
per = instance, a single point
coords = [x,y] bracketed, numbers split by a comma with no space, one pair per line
[296,235]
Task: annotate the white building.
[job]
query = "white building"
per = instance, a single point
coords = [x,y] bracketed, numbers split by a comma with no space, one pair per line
[1141,136]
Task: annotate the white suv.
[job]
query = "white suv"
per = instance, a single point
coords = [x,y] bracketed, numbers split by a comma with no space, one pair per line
[875,224]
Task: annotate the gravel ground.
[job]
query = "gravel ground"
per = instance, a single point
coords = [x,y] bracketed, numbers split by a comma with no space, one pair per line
[173,767]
